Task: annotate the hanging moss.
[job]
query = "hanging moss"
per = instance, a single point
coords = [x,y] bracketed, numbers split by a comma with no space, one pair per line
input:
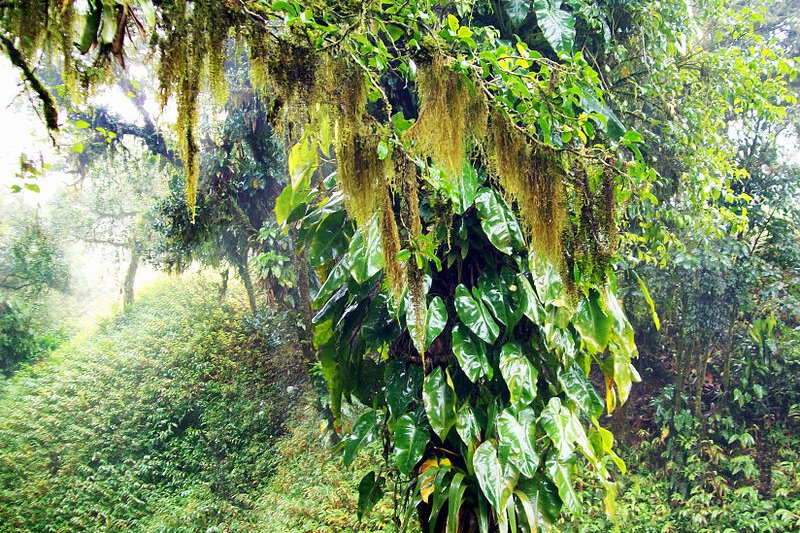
[390,241]
[289,69]
[192,53]
[531,177]
[451,117]
[361,172]
[590,234]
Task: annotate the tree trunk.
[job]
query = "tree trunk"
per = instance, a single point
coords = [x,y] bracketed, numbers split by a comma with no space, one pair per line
[223,287]
[702,365]
[244,273]
[306,336]
[680,378]
[130,278]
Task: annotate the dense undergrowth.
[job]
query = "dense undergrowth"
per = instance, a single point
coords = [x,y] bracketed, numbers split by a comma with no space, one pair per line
[167,418]
[189,415]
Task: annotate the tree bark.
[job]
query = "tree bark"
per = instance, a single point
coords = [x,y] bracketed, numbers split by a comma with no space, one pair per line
[223,286]
[702,365]
[130,278]
[244,273]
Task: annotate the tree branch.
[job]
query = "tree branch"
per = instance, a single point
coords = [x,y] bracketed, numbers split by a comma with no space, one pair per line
[48,104]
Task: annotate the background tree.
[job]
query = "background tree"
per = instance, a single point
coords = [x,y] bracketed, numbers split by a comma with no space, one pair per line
[110,205]
[31,264]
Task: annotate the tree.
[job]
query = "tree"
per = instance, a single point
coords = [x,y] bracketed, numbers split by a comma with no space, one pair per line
[111,205]
[31,264]
[465,240]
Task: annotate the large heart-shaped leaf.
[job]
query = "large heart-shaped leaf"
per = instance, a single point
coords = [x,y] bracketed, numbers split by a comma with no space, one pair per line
[515,445]
[519,374]
[544,497]
[494,297]
[493,479]
[516,10]
[467,426]
[529,302]
[329,240]
[334,281]
[560,474]
[471,353]
[465,188]
[439,397]
[592,323]
[363,432]
[565,430]
[498,222]
[366,255]
[370,492]
[436,320]
[474,314]
[402,385]
[580,390]
[410,440]
[557,25]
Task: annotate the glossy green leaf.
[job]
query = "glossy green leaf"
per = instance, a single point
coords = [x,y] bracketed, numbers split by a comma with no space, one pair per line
[543,495]
[592,323]
[498,222]
[515,445]
[560,474]
[410,440]
[591,104]
[334,281]
[329,240]
[474,314]
[516,10]
[557,24]
[471,354]
[303,161]
[403,383]
[365,252]
[467,426]
[465,188]
[494,482]
[370,492]
[439,397]
[436,320]
[455,495]
[579,389]
[289,200]
[519,374]
[362,434]
[529,302]
[564,430]
[493,295]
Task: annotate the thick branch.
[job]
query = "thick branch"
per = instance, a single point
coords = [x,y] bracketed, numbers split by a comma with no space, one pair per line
[48,104]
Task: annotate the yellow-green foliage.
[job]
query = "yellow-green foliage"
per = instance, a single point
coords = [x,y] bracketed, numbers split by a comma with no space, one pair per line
[452,115]
[531,177]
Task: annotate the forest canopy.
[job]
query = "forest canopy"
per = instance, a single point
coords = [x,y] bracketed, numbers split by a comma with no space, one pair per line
[471,186]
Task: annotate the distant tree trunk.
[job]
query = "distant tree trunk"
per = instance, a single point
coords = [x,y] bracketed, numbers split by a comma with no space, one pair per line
[244,273]
[702,365]
[223,287]
[680,378]
[306,336]
[130,278]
